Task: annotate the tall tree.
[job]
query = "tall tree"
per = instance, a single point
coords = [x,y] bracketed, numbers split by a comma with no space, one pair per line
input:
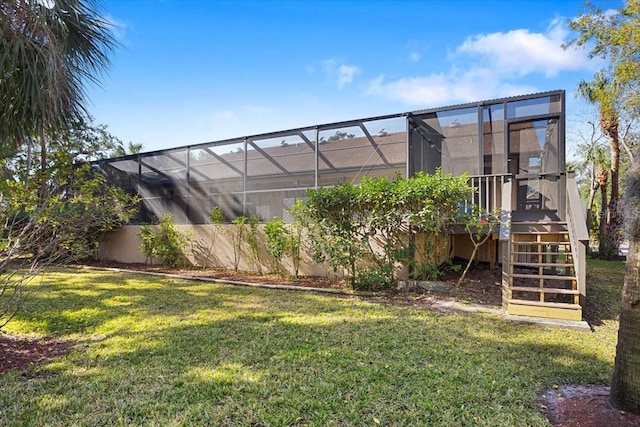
[604,237]
[625,384]
[49,51]
[593,159]
[614,36]
[130,148]
[603,92]
[57,214]
[51,210]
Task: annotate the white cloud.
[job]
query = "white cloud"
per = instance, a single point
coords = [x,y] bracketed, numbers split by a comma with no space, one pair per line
[346,73]
[489,66]
[414,57]
[343,72]
[442,89]
[521,52]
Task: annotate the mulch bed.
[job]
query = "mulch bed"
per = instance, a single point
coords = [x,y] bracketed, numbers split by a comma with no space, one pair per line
[21,352]
[481,286]
[584,406]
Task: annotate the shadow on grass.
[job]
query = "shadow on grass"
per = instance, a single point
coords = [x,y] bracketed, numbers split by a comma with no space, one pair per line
[604,290]
[68,302]
[193,353]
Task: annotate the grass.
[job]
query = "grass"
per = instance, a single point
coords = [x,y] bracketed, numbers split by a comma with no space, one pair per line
[154,351]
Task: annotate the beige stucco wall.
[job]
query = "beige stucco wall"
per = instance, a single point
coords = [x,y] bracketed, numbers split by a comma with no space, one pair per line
[216,250]
[205,249]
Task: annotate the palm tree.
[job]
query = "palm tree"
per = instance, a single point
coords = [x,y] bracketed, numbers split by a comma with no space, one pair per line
[49,51]
[594,160]
[604,93]
[602,177]
[131,148]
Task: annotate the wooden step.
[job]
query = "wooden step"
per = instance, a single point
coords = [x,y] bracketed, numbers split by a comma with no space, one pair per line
[540,264]
[542,276]
[544,290]
[522,242]
[536,232]
[542,222]
[546,304]
[556,311]
[541,253]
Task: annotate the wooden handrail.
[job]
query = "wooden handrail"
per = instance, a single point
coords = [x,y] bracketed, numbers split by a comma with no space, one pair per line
[578,233]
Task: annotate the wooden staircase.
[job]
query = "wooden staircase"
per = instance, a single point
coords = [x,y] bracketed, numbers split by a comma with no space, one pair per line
[542,279]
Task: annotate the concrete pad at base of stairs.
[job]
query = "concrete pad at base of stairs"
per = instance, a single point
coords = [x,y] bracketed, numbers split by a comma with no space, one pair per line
[451,306]
[454,306]
[557,323]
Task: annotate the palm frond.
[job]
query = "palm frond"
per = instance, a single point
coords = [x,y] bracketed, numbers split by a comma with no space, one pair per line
[47,56]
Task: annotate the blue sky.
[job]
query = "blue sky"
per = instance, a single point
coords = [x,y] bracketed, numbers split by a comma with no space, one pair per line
[192,71]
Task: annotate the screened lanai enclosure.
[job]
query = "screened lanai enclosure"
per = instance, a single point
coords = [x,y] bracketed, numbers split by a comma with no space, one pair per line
[265,174]
[513,149]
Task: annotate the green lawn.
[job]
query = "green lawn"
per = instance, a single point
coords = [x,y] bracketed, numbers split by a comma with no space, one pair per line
[167,352]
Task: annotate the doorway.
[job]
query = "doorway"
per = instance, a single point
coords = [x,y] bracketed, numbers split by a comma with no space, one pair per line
[535,165]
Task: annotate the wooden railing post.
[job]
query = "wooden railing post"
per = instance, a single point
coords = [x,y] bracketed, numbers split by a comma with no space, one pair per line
[490,191]
[505,240]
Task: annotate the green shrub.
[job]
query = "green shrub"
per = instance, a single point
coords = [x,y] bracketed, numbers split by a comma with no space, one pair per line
[254,258]
[237,239]
[167,243]
[374,279]
[379,221]
[147,242]
[277,242]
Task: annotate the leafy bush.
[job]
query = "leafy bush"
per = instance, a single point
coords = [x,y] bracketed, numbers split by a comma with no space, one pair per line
[378,222]
[167,243]
[283,240]
[147,242]
[335,227]
[237,239]
[296,234]
[374,279]
[277,242]
[253,244]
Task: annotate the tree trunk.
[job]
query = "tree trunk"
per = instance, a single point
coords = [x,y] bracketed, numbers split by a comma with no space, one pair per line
[625,384]
[593,187]
[602,235]
[615,165]
[615,219]
[614,198]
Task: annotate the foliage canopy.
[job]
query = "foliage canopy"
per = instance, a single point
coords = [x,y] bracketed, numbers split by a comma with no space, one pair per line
[49,51]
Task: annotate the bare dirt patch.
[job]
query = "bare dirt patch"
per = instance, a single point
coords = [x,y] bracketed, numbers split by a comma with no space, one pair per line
[583,406]
[19,352]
